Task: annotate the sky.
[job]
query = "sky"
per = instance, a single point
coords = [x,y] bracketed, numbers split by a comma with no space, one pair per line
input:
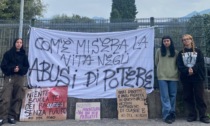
[145,8]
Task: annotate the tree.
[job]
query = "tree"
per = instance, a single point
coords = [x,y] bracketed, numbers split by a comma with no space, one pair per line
[73,23]
[10,9]
[207,33]
[199,26]
[68,19]
[115,15]
[123,10]
[196,27]
[2,6]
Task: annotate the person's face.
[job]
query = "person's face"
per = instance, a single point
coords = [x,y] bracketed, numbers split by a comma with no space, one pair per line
[18,44]
[187,41]
[166,42]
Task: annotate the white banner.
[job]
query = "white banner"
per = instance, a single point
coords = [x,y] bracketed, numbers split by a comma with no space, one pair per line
[93,65]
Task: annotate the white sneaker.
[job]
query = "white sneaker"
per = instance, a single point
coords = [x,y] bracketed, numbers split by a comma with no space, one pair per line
[1,122]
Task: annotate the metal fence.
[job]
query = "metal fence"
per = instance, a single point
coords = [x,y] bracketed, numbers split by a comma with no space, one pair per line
[175,27]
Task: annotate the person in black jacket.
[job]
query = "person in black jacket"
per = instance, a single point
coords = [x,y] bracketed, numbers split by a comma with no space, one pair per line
[14,66]
[190,62]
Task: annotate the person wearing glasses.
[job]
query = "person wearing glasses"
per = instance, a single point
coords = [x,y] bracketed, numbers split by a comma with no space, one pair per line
[190,62]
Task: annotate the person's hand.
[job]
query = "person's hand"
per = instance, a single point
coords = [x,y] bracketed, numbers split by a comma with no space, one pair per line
[16,69]
[190,70]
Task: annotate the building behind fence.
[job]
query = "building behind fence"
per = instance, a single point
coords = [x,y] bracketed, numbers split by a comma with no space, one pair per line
[175,27]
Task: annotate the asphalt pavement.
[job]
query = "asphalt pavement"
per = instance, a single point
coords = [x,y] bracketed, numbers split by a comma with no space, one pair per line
[110,122]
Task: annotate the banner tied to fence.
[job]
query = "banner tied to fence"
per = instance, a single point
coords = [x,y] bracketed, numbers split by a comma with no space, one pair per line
[92,65]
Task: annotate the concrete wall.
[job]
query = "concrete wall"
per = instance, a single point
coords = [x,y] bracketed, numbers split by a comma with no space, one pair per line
[109,106]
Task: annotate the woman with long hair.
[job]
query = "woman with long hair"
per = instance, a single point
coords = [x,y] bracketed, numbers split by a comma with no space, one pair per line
[167,75]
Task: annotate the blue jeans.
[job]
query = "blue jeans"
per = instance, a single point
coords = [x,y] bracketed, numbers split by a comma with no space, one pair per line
[168,91]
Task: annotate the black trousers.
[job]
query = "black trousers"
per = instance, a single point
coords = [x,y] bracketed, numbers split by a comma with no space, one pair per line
[194,98]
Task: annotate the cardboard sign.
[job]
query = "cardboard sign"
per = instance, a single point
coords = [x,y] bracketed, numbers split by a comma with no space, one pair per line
[44,104]
[87,111]
[132,103]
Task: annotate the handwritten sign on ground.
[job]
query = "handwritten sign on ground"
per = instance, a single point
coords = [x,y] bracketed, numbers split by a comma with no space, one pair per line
[132,103]
[44,104]
[87,111]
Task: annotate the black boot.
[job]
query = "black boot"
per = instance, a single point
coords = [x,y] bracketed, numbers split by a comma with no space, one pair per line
[173,117]
[168,120]
[205,119]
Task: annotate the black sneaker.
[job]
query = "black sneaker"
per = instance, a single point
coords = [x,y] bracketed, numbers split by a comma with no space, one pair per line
[173,117]
[11,121]
[1,122]
[205,120]
[191,119]
[168,120]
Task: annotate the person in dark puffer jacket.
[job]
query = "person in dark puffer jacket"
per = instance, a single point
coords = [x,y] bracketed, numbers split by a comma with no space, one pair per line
[14,66]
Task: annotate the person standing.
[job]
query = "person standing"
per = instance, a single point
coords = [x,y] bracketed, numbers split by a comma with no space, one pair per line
[167,75]
[190,63]
[14,66]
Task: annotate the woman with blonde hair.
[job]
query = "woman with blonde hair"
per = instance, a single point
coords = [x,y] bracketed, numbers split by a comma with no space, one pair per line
[190,62]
